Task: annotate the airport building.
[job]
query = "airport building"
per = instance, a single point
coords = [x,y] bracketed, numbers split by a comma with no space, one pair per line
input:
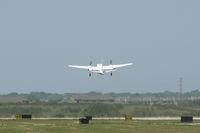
[86,98]
[13,99]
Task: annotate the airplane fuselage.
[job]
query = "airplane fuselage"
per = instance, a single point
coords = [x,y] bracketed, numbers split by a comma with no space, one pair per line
[98,69]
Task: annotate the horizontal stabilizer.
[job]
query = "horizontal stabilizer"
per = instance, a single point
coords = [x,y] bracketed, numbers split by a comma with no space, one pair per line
[110,71]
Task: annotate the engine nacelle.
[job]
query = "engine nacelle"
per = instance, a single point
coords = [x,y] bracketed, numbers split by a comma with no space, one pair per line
[90,69]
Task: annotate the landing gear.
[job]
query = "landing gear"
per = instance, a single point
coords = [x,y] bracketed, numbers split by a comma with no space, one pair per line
[90,74]
[111,74]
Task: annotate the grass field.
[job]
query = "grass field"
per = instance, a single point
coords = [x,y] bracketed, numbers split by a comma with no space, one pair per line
[97,126]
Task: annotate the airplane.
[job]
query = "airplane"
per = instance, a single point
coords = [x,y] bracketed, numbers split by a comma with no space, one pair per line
[100,69]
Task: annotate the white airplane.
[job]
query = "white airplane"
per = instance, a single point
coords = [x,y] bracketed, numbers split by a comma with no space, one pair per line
[100,69]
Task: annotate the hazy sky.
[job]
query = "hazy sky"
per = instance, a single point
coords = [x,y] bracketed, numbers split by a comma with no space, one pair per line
[39,38]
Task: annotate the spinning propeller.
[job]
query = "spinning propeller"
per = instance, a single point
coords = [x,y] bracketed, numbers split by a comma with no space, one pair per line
[111,64]
[88,70]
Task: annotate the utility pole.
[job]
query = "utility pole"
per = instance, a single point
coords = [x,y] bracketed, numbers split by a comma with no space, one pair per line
[180,89]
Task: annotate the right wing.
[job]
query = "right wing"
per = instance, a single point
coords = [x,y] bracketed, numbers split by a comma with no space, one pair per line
[81,67]
[116,66]
[121,65]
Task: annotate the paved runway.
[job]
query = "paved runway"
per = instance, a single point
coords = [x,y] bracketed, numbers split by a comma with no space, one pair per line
[107,118]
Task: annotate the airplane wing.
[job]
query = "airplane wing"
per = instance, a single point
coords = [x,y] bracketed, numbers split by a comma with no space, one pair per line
[122,65]
[81,67]
[117,66]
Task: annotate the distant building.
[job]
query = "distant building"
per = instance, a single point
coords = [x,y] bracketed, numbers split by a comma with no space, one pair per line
[12,99]
[156,100]
[86,98]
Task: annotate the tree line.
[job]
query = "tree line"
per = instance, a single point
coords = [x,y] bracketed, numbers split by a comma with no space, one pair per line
[54,97]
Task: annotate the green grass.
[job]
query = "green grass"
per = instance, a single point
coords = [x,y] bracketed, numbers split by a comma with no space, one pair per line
[98,110]
[97,126]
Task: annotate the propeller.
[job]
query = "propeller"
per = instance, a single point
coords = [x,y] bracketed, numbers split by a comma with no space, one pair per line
[90,63]
[111,62]
[89,70]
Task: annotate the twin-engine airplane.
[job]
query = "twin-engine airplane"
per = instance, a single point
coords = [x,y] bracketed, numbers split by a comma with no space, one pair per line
[100,69]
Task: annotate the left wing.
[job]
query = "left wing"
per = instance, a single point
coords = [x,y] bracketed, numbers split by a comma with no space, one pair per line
[81,67]
[116,66]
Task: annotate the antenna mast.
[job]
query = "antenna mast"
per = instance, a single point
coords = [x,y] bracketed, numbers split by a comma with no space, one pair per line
[180,88]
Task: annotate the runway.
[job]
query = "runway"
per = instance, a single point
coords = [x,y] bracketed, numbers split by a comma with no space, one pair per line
[108,118]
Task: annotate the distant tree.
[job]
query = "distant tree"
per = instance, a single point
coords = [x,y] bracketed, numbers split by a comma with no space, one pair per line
[13,94]
[94,93]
